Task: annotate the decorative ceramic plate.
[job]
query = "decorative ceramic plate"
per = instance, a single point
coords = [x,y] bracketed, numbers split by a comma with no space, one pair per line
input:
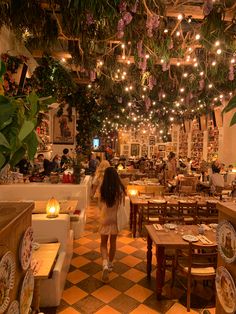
[26,248]
[4,291]
[170,226]
[226,290]
[190,238]
[27,291]
[226,240]
[14,308]
[8,265]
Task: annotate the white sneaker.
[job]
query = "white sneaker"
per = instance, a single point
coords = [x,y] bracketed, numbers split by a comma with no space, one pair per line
[105,274]
[110,267]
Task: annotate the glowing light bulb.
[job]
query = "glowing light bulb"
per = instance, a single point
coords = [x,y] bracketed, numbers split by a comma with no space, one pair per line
[210,85]
[178,34]
[213,63]
[63,60]
[197,36]
[89,85]
[201,73]
[181,89]
[217,43]
[166,31]
[178,64]
[147,56]
[180,17]
[232,60]
[123,46]
[185,74]
[218,51]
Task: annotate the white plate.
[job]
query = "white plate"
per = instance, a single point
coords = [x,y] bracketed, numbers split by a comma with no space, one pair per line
[14,308]
[170,226]
[27,291]
[26,248]
[226,290]
[190,238]
[226,241]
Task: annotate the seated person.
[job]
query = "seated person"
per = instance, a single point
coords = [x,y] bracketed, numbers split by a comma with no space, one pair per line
[24,166]
[46,165]
[65,158]
[216,179]
[55,164]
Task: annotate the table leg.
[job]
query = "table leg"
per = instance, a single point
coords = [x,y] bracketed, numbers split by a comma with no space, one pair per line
[131,216]
[134,219]
[160,271]
[149,256]
[36,296]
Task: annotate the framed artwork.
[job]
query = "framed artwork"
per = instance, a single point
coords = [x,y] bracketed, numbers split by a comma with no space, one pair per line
[135,149]
[161,147]
[162,154]
[226,240]
[63,130]
[151,140]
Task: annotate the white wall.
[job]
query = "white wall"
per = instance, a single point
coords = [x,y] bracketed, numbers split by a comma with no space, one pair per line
[227,153]
[11,45]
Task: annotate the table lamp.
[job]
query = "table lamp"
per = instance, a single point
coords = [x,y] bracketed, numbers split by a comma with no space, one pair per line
[52,208]
[133,192]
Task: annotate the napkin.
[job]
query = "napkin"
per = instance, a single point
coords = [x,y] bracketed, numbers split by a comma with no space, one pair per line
[158,227]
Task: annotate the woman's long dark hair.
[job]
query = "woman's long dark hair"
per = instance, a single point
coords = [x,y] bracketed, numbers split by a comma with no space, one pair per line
[112,188]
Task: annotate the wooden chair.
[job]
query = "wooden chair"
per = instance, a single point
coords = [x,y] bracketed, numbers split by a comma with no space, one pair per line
[207,213]
[142,211]
[188,185]
[187,212]
[156,212]
[197,263]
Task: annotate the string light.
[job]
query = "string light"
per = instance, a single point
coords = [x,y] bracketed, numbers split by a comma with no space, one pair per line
[197,36]
[217,43]
[218,51]
[180,17]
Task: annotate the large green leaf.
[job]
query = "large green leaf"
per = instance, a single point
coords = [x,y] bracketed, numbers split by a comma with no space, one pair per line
[33,100]
[17,156]
[6,123]
[4,141]
[231,105]
[233,120]
[31,142]
[2,160]
[25,130]
[7,109]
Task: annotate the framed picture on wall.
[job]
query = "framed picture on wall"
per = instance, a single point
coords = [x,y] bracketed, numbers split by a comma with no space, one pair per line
[63,129]
[161,147]
[135,150]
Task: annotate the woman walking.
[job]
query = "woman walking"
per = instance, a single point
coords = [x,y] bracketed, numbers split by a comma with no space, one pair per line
[112,195]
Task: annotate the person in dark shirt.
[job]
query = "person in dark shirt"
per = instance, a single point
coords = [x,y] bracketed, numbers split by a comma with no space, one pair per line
[65,158]
[23,166]
[47,165]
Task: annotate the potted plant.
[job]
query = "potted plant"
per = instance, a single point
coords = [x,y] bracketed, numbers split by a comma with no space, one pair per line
[18,121]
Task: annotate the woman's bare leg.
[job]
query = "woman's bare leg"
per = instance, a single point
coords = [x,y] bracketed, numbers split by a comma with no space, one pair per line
[112,250]
[103,246]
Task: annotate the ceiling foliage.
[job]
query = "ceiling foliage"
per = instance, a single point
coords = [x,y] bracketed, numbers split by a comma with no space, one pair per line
[144,62]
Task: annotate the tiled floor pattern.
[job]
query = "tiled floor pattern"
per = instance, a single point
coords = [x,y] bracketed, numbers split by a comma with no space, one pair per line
[128,291]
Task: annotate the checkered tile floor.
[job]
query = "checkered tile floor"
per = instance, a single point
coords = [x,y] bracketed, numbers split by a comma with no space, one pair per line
[128,291]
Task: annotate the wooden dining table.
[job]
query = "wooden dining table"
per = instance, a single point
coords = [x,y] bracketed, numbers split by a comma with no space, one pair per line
[171,239]
[45,257]
[137,201]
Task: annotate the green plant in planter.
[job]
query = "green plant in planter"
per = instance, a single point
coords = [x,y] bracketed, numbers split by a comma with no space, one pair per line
[18,121]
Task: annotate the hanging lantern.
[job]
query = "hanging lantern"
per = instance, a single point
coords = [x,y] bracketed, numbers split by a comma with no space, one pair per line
[52,208]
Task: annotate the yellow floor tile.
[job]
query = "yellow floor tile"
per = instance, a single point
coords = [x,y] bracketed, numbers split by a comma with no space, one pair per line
[130,260]
[76,276]
[69,310]
[79,261]
[73,295]
[107,310]
[106,293]
[127,249]
[139,293]
[83,241]
[134,275]
[81,250]
[179,309]
[125,240]
[141,309]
